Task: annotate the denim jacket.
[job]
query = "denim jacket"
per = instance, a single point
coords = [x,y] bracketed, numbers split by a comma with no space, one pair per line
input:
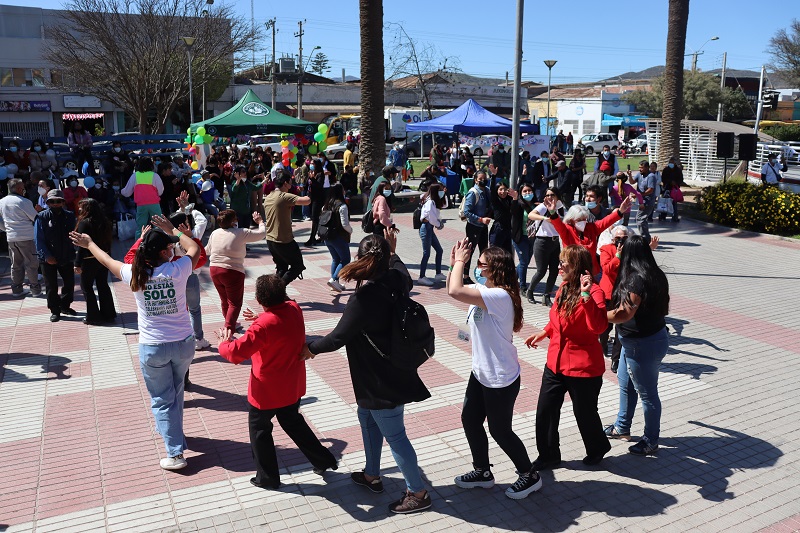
[476,206]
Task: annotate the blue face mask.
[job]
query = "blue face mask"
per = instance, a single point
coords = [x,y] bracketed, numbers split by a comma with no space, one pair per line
[13,149]
[37,148]
[387,193]
[311,167]
[606,153]
[441,194]
[527,197]
[591,205]
[671,165]
[479,277]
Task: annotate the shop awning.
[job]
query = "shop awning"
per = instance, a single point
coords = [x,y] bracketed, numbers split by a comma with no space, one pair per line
[628,121]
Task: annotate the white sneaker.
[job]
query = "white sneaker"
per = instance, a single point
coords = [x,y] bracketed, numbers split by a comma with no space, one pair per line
[425,281]
[173,463]
[440,277]
[201,344]
[335,285]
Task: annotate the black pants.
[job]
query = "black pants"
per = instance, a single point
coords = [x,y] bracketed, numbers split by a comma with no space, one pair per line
[545,252]
[296,427]
[316,211]
[584,393]
[51,272]
[501,237]
[288,259]
[616,349]
[497,405]
[244,219]
[479,238]
[93,273]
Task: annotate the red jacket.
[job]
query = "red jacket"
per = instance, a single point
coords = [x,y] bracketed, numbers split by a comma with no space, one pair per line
[574,346]
[274,342]
[609,262]
[202,260]
[569,235]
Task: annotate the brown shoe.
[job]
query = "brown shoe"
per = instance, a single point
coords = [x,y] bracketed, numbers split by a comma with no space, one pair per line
[376,485]
[411,504]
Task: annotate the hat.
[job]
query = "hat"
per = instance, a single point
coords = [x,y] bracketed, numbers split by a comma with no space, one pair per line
[561,164]
[156,240]
[55,194]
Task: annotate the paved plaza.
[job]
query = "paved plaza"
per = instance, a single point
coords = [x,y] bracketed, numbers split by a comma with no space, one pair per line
[80,452]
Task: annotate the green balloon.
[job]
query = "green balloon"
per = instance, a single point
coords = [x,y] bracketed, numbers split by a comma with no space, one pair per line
[208,138]
[322,146]
[199,139]
[293,149]
[319,136]
[312,149]
[201,130]
[322,128]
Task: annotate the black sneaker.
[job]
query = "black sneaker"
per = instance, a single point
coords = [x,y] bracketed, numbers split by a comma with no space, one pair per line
[478,478]
[320,471]
[55,318]
[613,433]
[545,464]
[268,485]
[69,311]
[376,485]
[409,503]
[643,447]
[527,483]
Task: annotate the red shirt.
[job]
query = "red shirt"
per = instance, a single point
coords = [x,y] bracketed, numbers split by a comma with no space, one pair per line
[574,346]
[73,196]
[569,235]
[609,262]
[274,342]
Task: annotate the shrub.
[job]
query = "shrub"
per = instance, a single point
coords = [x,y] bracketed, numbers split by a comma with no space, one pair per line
[753,207]
[784,132]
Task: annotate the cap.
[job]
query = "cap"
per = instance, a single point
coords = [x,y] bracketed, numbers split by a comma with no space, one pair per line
[156,240]
[55,194]
[207,186]
[561,164]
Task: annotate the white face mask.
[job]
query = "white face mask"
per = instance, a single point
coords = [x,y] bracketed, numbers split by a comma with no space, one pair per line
[98,185]
[42,191]
[171,254]
[580,225]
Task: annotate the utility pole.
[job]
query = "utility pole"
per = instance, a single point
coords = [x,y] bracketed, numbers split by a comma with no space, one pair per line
[694,60]
[271,24]
[299,34]
[517,94]
[760,100]
[722,84]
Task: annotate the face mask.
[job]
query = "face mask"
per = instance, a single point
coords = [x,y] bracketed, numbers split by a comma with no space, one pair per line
[13,149]
[115,187]
[118,149]
[387,193]
[619,241]
[580,226]
[98,185]
[479,277]
[771,161]
[312,168]
[171,254]
[42,191]
[37,148]
[591,205]
[606,153]
[500,149]
[671,165]
[527,197]
[481,183]
[441,194]
[73,183]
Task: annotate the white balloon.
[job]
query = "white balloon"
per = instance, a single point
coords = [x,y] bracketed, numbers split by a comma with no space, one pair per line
[12,169]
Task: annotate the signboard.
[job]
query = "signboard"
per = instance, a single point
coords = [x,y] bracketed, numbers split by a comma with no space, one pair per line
[22,105]
[528,141]
[81,101]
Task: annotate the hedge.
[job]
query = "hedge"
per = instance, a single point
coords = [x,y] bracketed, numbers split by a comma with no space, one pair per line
[753,207]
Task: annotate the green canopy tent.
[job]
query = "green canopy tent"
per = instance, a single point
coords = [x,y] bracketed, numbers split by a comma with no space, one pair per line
[251,116]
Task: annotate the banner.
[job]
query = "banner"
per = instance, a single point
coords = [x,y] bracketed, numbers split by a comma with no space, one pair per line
[21,105]
[527,141]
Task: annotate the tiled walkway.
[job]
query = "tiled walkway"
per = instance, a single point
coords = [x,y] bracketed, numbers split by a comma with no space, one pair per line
[80,452]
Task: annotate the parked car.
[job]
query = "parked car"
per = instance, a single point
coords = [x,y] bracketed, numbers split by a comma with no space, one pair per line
[483,144]
[594,142]
[412,144]
[640,142]
[264,141]
[336,151]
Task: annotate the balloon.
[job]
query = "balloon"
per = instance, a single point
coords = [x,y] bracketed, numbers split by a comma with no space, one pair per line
[284,150]
[196,177]
[51,155]
[319,136]
[195,165]
[188,140]
[312,149]
[286,162]
[199,139]
[189,130]
[322,128]
[208,138]
[284,144]
[295,142]
[293,149]
[322,146]
[201,131]
[192,151]
[88,182]
[12,169]
[3,173]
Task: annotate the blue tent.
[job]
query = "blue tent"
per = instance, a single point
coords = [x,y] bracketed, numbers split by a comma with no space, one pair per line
[470,119]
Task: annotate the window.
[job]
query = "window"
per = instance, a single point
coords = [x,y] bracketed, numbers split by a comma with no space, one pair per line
[588,126]
[22,77]
[571,126]
[6,77]
[55,77]
[37,77]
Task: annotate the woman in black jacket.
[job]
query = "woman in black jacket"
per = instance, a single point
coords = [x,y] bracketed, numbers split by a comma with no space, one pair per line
[93,222]
[381,389]
[524,204]
[500,233]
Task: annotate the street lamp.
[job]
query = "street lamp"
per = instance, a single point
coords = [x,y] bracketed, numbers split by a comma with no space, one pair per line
[698,52]
[189,42]
[550,64]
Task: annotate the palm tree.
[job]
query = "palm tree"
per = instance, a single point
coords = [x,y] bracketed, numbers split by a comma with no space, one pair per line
[673,81]
[372,151]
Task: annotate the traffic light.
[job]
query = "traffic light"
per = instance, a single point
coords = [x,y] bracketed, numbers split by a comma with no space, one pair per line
[771,100]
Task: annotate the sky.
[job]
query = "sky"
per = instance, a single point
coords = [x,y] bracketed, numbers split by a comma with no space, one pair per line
[589,41]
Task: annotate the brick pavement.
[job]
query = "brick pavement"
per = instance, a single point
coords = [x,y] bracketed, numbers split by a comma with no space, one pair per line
[81,453]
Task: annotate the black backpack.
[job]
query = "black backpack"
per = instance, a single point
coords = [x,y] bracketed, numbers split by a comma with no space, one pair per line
[368,222]
[329,222]
[413,340]
[417,217]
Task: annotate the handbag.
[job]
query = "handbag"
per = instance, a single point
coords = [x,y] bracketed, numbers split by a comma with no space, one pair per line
[664,205]
[126,227]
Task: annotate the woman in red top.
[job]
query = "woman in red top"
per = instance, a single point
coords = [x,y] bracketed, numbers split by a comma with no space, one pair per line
[277,379]
[579,226]
[574,361]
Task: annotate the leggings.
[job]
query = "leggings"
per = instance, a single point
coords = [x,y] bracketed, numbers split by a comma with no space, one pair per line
[545,252]
[230,286]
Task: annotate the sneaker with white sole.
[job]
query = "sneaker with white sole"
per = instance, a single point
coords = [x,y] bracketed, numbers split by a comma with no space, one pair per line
[201,344]
[643,447]
[173,463]
[478,478]
[335,285]
[527,483]
[425,281]
[440,277]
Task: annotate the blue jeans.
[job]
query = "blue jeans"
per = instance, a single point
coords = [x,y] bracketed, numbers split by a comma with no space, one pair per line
[193,303]
[429,238]
[377,424]
[638,378]
[163,368]
[340,254]
[524,250]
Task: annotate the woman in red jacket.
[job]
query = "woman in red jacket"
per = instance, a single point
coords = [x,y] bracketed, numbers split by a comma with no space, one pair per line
[277,380]
[574,361]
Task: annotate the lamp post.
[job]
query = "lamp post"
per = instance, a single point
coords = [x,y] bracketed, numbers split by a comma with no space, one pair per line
[550,64]
[517,95]
[698,52]
[189,42]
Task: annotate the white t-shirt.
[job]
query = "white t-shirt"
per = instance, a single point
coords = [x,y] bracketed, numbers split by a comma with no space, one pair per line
[161,306]
[546,228]
[494,356]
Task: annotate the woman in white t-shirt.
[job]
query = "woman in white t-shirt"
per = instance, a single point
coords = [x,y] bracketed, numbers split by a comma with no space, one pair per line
[432,202]
[166,338]
[494,315]
[546,248]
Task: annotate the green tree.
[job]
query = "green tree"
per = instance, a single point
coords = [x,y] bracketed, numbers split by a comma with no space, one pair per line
[785,50]
[319,64]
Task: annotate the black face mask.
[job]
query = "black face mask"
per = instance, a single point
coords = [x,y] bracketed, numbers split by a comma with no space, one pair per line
[481,183]
[620,241]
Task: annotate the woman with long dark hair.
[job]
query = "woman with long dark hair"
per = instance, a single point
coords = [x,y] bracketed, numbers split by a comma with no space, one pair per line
[575,362]
[339,231]
[639,305]
[166,341]
[494,315]
[381,389]
[546,246]
[500,233]
[93,222]
[432,201]
[520,227]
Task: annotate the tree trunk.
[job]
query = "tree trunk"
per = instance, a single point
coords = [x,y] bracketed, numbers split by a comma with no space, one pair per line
[669,144]
[372,151]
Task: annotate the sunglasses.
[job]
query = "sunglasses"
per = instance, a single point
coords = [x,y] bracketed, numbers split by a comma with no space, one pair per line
[55,202]
[482,265]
